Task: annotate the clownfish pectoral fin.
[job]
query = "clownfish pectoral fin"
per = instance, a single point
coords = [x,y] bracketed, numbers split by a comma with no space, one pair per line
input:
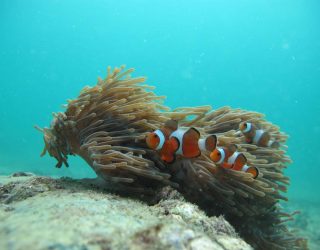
[171,124]
[190,147]
[168,158]
[227,165]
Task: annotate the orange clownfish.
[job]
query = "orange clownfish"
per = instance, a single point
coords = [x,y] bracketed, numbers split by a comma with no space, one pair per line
[232,159]
[256,136]
[190,143]
[159,140]
[252,170]
[228,157]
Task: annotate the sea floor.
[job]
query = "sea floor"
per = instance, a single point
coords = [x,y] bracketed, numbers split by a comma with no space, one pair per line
[308,221]
[27,190]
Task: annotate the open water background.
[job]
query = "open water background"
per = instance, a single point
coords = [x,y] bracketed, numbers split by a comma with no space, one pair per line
[256,55]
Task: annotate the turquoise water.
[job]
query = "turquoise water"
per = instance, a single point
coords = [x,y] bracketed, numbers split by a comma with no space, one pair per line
[256,55]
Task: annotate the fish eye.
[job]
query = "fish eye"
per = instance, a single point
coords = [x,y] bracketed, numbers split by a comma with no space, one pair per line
[155,135]
[245,125]
[219,154]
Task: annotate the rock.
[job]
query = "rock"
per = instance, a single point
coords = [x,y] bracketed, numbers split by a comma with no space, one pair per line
[19,174]
[57,214]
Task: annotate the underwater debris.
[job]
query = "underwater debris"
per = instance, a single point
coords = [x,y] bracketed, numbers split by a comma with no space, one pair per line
[107,126]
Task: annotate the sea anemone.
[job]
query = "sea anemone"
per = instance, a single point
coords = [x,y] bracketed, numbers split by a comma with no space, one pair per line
[107,125]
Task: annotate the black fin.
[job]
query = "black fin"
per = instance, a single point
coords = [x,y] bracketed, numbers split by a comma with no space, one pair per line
[195,130]
[215,139]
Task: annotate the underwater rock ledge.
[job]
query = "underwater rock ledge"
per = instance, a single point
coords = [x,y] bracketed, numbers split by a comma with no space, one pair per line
[45,213]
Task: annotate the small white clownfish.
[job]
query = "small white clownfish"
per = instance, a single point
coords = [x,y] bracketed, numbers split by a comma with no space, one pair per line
[256,136]
[190,143]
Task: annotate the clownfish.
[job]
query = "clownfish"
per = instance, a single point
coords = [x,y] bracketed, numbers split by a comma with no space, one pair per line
[228,157]
[232,159]
[159,140]
[252,170]
[190,143]
[256,136]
